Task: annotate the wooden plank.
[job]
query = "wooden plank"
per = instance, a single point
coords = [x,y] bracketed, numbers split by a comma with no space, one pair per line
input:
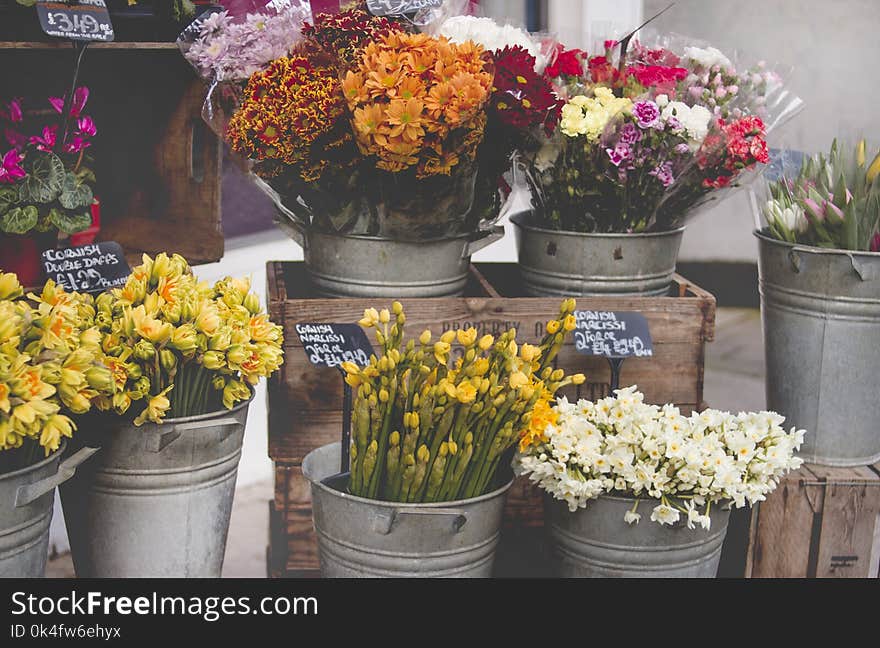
[525,505]
[849,519]
[783,528]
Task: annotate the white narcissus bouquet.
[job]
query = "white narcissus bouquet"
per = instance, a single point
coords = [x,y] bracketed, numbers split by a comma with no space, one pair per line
[622,445]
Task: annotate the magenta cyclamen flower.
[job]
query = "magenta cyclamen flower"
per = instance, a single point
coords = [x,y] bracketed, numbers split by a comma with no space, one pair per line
[80,97]
[12,111]
[647,114]
[47,141]
[86,126]
[10,167]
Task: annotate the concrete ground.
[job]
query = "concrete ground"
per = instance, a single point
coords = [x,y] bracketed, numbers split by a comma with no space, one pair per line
[734,381]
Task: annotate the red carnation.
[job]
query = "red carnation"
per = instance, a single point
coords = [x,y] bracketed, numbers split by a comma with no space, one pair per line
[567,62]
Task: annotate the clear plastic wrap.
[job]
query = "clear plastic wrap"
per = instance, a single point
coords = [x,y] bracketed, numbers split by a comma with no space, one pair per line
[644,142]
[828,200]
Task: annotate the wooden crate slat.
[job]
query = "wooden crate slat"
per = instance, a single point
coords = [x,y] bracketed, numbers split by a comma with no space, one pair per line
[849,519]
[783,528]
[820,522]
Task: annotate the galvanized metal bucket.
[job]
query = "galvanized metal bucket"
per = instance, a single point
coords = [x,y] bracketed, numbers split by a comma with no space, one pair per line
[821,317]
[341,265]
[156,501]
[26,501]
[596,542]
[362,538]
[573,264]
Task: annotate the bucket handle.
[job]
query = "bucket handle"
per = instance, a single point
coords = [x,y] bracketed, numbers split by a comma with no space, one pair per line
[30,493]
[866,272]
[383,522]
[159,441]
[478,244]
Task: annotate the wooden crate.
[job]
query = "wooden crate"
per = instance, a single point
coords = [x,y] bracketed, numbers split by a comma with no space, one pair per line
[158,164]
[821,522]
[305,401]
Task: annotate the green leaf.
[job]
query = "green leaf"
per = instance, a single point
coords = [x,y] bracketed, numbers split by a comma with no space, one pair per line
[8,197]
[75,194]
[69,223]
[44,180]
[19,220]
[27,3]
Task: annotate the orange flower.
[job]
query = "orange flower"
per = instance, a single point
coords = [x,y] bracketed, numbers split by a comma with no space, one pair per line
[405,119]
[369,119]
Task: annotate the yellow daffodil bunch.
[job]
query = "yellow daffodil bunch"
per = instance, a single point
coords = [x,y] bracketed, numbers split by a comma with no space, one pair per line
[183,347]
[430,423]
[50,364]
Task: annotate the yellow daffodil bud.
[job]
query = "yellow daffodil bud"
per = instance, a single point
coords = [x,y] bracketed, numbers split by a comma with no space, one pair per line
[425,337]
[350,367]
[423,454]
[144,350]
[396,308]
[873,170]
[213,360]
[518,380]
[486,342]
[383,395]
[384,316]
[448,337]
[529,353]
[168,360]
[512,348]
[467,337]
[394,438]
[466,393]
[10,288]
[570,323]
[353,380]
[557,375]
[252,303]
[237,355]
[860,153]
[444,449]
[578,379]
[468,438]
[553,327]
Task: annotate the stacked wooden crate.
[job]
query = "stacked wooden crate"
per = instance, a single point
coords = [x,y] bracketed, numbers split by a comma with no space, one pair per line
[305,402]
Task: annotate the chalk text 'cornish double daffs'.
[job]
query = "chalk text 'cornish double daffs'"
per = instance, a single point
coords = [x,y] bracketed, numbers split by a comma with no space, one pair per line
[432,419]
[50,363]
[182,347]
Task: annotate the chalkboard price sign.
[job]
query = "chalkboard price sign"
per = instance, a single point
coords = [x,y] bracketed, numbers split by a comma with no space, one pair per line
[400,7]
[87,268]
[85,20]
[613,334]
[329,345]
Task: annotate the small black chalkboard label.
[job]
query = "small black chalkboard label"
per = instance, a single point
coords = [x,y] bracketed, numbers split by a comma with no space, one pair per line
[329,345]
[86,20]
[613,334]
[400,7]
[87,268]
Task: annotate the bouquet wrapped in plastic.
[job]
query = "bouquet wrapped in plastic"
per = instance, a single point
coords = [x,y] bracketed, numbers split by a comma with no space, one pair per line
[361,124]
[649,134]
[829,201]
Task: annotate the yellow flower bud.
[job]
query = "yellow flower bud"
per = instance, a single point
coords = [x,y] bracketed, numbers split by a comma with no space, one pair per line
[557,375]
[452,446]
[553,327]
[467,338]
[394,438]
[396,308]
[384,316]
[425,337]
[423,454]
[570,323]
[486,342]
[448,337]
[384,395]
[578,379]
[529,353]
[518,379]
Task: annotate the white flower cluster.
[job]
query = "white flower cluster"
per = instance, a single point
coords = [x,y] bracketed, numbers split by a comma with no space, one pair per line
[491,35]
[707,57]
[620,444]
[788,217]
[694,119]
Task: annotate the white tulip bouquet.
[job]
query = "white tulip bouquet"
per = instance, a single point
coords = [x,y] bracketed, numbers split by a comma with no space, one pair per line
[621,445]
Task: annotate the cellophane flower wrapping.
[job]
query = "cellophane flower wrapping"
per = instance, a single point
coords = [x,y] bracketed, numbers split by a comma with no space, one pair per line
[367,126]
[827,200]
[643,142]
